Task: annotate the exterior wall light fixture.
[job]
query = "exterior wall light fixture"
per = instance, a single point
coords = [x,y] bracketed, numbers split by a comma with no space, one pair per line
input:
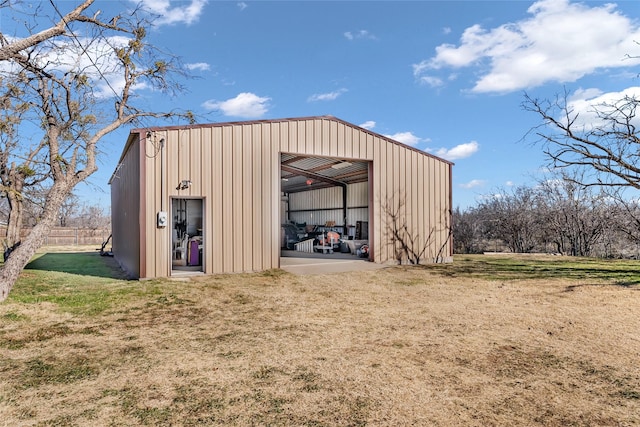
[184,184]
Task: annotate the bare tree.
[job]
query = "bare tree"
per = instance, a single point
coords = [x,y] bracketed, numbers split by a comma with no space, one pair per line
[56,71]
[20,162]
[470,230]
[625,215]
[606,146]
[93,217]
[34,200]
[511,217]
[68,209]
[574,217]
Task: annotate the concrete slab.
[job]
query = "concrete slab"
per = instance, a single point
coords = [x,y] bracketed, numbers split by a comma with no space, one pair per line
[304,266]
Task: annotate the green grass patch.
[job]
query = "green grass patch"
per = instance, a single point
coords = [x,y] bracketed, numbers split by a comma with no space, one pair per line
[79,283]
[77,294]
[88,284]
[79,263]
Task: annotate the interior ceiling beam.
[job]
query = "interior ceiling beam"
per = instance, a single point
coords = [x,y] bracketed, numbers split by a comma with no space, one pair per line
[313,175]
[350,174]
[293,160]
[299,188]
[324,167]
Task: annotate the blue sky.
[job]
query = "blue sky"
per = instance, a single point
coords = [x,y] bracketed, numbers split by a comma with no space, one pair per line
[447,77]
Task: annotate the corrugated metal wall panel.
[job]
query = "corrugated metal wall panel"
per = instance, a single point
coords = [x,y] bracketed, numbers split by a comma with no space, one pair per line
[379,168]
[207,191]
[316,199]
[337,136]
[247,199]
[315,217]
[422,200]
[125,211]
[194,161]
[235,169]
[151,204]
[316,207]
[412,191]
[256,243]
[267,201]
[227,191]
[358,194]
[214,238]
[275,213]
[162,261]
[236,197]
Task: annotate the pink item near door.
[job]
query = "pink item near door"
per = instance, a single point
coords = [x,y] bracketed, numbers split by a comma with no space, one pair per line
[194,256]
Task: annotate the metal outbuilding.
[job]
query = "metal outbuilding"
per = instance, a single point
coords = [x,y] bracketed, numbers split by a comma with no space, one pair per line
[213,198]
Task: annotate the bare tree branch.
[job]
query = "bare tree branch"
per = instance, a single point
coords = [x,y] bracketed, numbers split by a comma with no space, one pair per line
[607,147]
[61,102]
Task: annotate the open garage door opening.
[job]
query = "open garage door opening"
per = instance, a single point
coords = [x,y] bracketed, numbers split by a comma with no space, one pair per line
[324,207]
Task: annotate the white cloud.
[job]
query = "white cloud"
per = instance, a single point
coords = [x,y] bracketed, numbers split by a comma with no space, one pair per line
[198,66]
[461,151]
[184,14]
[407,138]
[585,102]
[509,183]
[331,96]
[97,61]
[561,42]
[369,124]
[431,81]
[362,34]
[246,105]
[474,183]
[242,5]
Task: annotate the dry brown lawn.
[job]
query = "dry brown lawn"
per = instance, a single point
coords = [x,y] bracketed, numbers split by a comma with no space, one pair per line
[396,347]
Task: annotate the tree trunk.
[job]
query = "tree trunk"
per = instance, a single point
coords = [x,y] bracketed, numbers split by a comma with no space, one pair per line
[22,254]
[14,225]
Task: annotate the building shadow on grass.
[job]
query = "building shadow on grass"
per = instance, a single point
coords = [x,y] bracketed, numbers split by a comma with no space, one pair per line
[81,263]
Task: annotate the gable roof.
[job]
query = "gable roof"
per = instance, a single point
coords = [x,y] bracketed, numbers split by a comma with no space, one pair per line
[355,172]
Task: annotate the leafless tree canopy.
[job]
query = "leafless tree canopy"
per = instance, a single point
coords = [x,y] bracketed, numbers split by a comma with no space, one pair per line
[60,81]
[606,145]
[557,215]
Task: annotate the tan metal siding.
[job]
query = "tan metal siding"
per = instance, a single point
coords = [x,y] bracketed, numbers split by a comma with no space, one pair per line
[379,193]
[422,196]
[256,243]
[215,239]
[207,191]
[337,136]
[159,202]
[235,168]
[416,185]
[416,196]
[237,177]
[149,206]
[125,210]
[274,218]
[247,200]
[347,141]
